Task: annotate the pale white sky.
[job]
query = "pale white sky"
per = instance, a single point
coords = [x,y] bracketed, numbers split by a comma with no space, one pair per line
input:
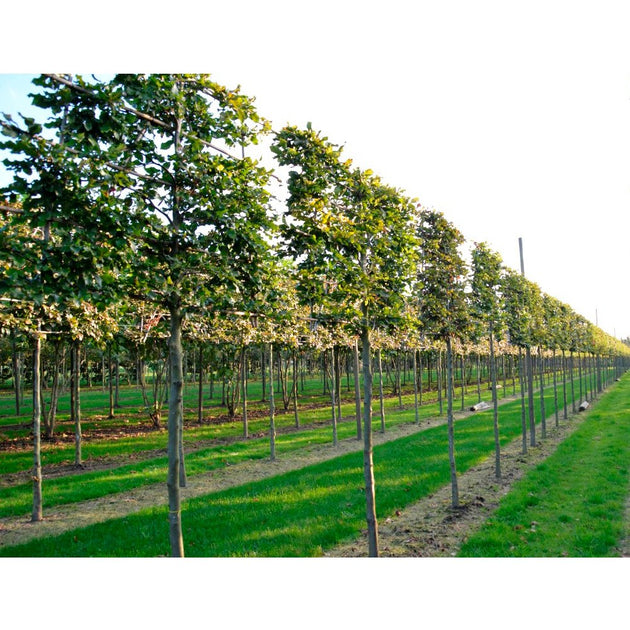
[513,119]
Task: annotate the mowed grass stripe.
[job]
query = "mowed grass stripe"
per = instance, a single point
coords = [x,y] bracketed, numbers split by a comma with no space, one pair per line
[17,499]
[300,513]
[572,504]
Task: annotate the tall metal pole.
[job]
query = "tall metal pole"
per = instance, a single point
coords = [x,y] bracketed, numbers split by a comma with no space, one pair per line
[529,370]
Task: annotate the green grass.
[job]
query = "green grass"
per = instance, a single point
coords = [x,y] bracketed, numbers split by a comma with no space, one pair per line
[17,499]
[573,503]
[300,513]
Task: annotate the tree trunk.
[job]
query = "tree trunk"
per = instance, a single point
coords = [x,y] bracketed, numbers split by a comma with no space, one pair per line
[143,382]
[571,380]
[438,378]
[368,464]
[174,424]
[333,388]
[530,396]
[75,402]
[415,386]
[381,397]
[244,390]
[495,404]
[478,377]
[200,391]
[263,374]
[555,388]
[272,409]
[15,356]
[111,383]
[296,364]
[543,415]
[37,417]
[521,379]
[463,381]
[50,417]
[564,385]
[451,423]
[337,381]
[183,481]
[398,380]
[357,388]
[117,382]
[420,378]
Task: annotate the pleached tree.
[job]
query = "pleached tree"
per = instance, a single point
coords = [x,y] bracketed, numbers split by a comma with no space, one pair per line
[62,254]
[487,308]
[442,303]
[165,153]
[353,240]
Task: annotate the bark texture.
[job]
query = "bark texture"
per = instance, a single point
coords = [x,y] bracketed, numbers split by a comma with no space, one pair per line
[368,464]
[174,428]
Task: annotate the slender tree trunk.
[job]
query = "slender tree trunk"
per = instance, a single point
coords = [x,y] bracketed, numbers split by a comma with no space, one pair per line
[50,417]
[75,401]
[530,396]
[555,389]
[478,377]
[296,364]
[244,390]
[337,380]
[357,388]
[381,397]
[571,380]
[117,382]
[415,387]
[564,384]
[463,381]
[143,382]
[333,387]
[37,416]
[183,481]
[200,390]
[15,357]
[368,464]
[111,382]
[263,373]
[451,423]
[398,381]
[438,378]
[543,417]
[521,378]
[495,404]
[174,424]
[420,377]
[272,409]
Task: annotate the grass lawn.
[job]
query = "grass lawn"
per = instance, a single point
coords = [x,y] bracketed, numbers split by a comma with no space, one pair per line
[300,513]
[572,504]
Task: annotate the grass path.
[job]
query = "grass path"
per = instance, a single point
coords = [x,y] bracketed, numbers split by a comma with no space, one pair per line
[17,530]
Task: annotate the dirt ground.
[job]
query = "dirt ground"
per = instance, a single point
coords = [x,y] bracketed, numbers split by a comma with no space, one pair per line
[429,527]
